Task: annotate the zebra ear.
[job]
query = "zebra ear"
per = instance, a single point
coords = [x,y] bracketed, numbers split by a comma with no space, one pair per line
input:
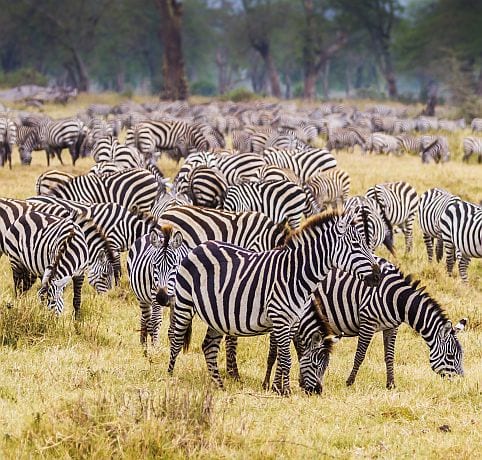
[316,340]
[460,326]
[155,238]
[446,329]
[176,240]
[46,277]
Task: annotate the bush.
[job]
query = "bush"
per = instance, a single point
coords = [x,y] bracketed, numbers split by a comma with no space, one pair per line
[370,93]
[203,88]
[24,76]
[239,95]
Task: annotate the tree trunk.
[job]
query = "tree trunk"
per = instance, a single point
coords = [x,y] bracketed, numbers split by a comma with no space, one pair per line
[347,81]
[326,79]
[389,72]
[222,65]
[432,90]
[309,84]
[273,76]
[288,86]
[80,70]
[173,72]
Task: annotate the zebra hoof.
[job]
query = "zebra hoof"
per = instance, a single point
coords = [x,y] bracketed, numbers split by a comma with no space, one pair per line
[350,382]
[391,385]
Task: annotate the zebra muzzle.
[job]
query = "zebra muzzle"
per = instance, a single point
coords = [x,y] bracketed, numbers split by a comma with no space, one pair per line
[162,297]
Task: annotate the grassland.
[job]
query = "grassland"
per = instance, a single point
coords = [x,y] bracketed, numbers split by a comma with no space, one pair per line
[86,390]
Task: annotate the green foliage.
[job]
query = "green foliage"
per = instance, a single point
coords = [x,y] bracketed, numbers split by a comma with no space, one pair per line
[239,95]
[23,76]
[203,88]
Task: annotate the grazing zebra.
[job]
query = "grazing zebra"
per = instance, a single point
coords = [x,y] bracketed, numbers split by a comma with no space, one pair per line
[476,124]
[435,148]
[397,202]
[280,201]
[53,136]
[152,265]
[135,189]
[167,201]
[410,144]
[340,138]
[59,254]
[28,141]
[152,136]
[304,164]
[472,145]
[461,229]
[239,166]
[330,188]
[430,209]
[121,227]
[8,138]
[383,143]
[353,309]
[243,293]
[273,173]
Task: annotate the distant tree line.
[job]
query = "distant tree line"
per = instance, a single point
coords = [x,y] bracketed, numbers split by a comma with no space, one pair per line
[283,48]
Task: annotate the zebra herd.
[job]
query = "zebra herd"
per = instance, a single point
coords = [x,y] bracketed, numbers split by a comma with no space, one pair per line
[266,240]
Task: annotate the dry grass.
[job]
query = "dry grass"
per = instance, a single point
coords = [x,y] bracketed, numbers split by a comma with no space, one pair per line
[86,391]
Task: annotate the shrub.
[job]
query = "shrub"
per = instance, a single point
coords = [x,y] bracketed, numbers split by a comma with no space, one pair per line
[239,95]
[203,88]
[24,76]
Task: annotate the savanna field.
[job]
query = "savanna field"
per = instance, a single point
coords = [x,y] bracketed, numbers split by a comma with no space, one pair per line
[85,389]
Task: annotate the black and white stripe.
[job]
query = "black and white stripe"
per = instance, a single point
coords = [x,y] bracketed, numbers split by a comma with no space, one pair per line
[461,229]
[472,145]
[243,293]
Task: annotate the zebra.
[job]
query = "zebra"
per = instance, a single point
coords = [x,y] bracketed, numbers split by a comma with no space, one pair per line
[461,229]
[152,136]
[8,138]
[108,149]
[398,202]
[167,201]
[273,173]
[351,308]
[431,206]
[246,293]
[280,201]
[383,143]
[340,138]
[49,180]
[410,144]
[371,223]
[136,189]
[152,264]
[120,226]
[435,148]
[28,141]
[205,187]
[53,136]
[304,164]
[330,188]
[59,254]
[476,125]
[472,145]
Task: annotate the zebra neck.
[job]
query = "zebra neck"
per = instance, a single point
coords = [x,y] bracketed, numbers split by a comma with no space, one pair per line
[423,314]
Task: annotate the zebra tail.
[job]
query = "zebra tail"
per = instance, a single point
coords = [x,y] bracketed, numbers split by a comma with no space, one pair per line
[187,338]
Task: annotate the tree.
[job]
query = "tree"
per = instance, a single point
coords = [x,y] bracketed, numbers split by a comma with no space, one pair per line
[378,17]
[173,72]
[316,52]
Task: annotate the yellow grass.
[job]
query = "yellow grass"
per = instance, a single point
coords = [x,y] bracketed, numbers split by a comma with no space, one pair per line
[87,391]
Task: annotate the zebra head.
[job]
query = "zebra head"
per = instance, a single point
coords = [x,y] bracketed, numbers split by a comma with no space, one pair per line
[168,254]
[101,273]
[52,290]
[314,362]
[446,352]
[351,252]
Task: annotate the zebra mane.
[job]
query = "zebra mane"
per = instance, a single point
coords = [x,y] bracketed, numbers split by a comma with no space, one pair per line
[321,317]
[109,252]
[56,262]
[424,295]
[313,222]
[149,218]
[167,231]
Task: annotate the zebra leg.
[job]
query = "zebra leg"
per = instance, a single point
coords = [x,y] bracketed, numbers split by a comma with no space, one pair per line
[282,339]
[117,268]
[439,249]
[273,352]
[389,336]
[145,320]
[428,240]
[210,347]
[463,266]
[450,256]
[231,361]
[155,323]
[77,284]
[364,338]
[407,230]
[181,329]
